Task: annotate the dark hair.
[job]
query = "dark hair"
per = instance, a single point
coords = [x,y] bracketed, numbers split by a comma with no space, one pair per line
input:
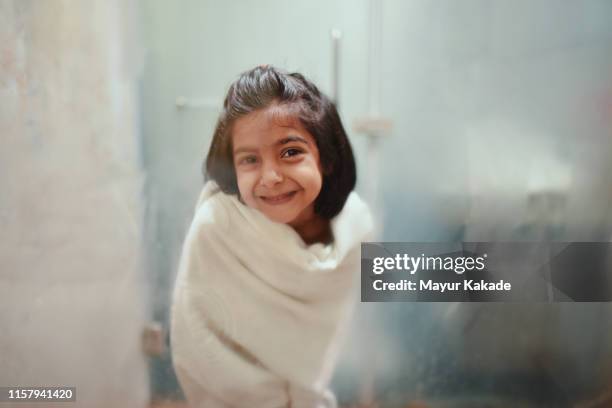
[264,86]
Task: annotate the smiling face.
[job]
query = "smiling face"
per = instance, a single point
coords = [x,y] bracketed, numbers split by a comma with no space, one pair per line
[277,165]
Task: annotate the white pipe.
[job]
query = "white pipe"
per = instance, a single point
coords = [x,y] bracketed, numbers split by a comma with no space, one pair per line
[336,35]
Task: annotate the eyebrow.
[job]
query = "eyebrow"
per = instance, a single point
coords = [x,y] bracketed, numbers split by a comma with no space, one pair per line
[280,142]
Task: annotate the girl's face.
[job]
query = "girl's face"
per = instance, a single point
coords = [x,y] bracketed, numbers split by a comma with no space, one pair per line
[277,167]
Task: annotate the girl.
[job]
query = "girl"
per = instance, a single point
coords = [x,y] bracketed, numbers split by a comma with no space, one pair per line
[265,281]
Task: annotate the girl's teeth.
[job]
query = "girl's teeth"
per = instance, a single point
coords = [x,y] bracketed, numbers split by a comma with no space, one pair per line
[280,197]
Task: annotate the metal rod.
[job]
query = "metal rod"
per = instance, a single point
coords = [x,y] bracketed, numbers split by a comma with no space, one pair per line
[336,35]
[374,57]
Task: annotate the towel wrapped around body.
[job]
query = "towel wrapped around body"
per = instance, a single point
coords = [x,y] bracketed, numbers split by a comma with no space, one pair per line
[258,315]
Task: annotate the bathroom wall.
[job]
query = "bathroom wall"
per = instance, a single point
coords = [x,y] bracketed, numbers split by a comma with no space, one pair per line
[494,103]
[72,291]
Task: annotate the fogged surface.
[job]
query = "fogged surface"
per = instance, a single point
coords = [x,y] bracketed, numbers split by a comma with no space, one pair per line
[72,291]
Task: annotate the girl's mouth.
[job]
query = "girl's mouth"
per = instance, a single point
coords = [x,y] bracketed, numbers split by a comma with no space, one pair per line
[278,199]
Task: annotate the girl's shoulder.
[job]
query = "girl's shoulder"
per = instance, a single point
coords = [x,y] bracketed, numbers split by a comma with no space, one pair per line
[211,210]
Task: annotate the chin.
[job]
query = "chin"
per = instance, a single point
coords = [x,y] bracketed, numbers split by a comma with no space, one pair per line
[281,218]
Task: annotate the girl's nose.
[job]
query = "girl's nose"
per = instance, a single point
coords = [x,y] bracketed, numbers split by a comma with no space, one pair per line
[270,176]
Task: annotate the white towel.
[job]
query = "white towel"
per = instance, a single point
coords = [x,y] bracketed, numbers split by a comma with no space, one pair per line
[258,315]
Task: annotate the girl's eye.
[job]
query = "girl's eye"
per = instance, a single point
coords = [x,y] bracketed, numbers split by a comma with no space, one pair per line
[248,160]
[291,152]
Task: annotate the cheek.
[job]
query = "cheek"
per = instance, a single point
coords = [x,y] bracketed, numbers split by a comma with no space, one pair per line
[246,182]
[311,178]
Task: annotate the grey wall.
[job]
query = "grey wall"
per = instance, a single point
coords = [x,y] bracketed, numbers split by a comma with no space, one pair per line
[496,102]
